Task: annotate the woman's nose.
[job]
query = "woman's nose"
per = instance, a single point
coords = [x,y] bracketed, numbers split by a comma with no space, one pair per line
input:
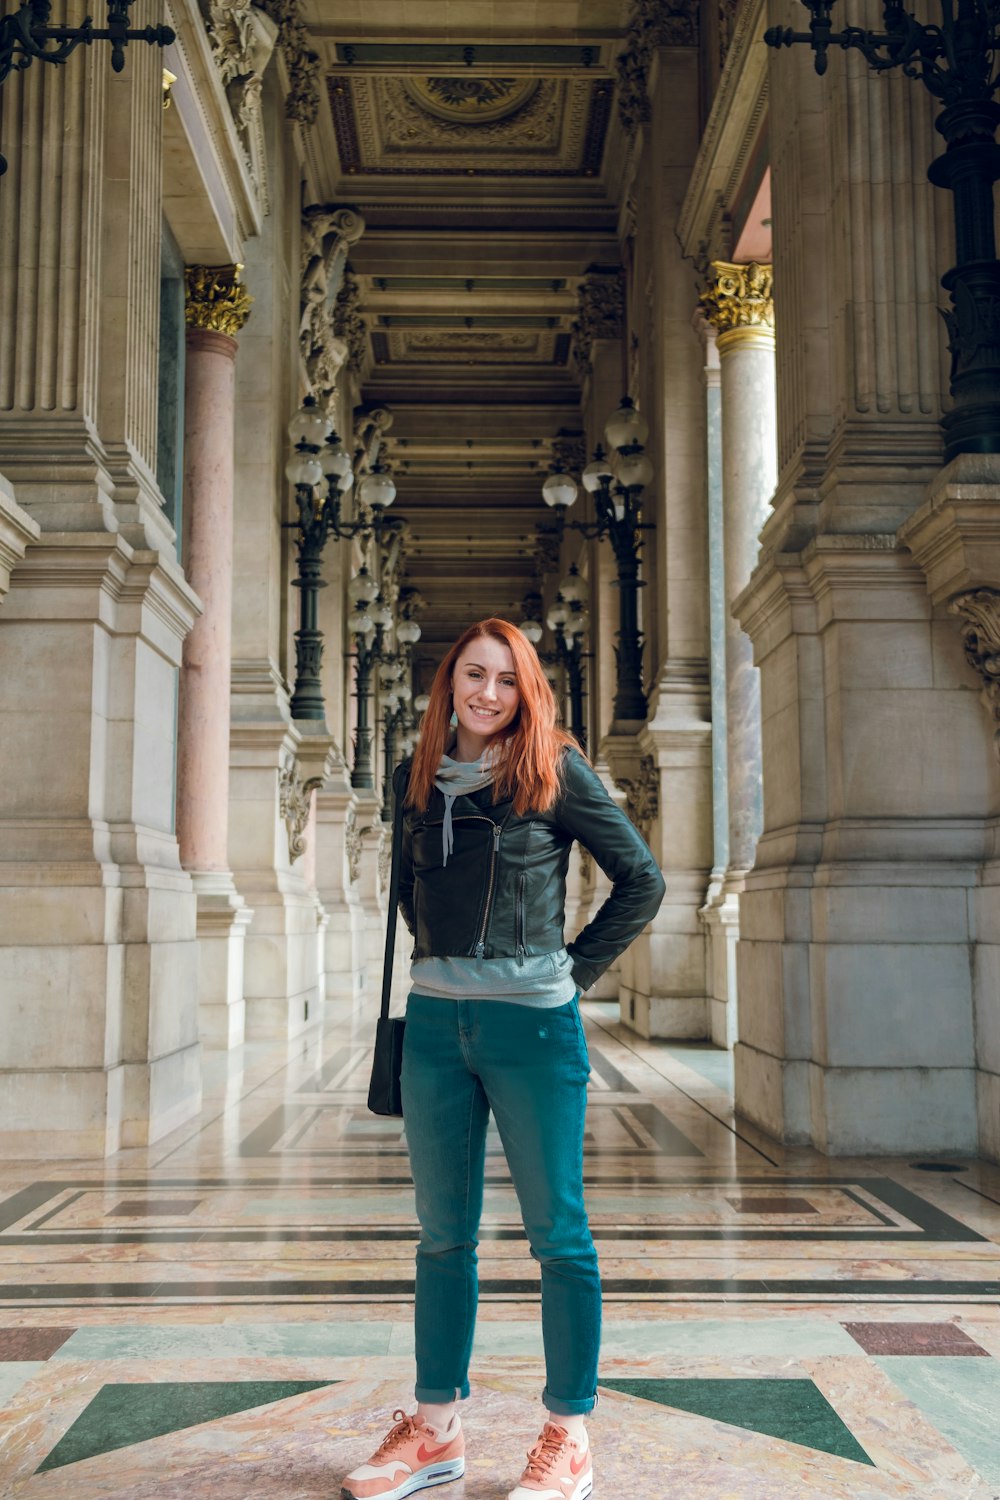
[489,690]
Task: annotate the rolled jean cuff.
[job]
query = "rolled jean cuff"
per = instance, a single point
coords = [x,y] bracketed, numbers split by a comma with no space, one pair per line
[442,1395]
[560,1408]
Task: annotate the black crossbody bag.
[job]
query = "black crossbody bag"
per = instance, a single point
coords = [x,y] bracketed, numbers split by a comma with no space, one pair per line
[384,1093]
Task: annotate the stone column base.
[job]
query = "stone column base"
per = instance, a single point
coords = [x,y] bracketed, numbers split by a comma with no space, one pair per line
[721,917]
[17,530]
[223,920]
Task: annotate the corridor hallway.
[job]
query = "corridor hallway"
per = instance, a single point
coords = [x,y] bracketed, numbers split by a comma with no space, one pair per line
[229,1314]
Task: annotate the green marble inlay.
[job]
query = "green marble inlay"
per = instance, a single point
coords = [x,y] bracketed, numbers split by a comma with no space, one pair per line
[795,1411]
[962,1402]
[121,1415]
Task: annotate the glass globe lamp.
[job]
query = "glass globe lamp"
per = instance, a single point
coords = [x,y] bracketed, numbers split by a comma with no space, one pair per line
[422,702]
[336,463]
[377,489]
[598,471]
[573,588]
[362,588]
[407,632]
[634,470]
[559,488]
[531,630]
[309,424]
[360,623]
[380,613]
[626,426]
[557,615]
[303,467]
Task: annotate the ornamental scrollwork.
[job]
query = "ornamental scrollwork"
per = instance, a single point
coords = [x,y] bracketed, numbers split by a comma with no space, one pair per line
[352,847]
[980,611]
[215,298]
[600,313]
[242,38]
[301,59]
[739,297]
[327,236]
[642,795]
[570,449]
[384,857]
[294,805]
[348,324]
[652,24]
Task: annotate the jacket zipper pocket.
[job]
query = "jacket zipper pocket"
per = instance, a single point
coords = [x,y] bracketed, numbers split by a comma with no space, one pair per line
[519,919]
[494,852]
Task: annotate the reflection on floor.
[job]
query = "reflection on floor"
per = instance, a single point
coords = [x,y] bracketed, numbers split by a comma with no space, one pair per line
[229,1314]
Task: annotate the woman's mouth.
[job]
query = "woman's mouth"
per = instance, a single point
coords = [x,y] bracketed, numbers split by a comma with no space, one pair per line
[484,713]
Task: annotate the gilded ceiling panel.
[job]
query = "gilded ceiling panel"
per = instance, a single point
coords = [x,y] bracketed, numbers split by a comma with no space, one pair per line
[444,125]
[495,346]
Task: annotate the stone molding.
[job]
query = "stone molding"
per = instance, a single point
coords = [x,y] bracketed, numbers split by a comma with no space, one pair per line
[216,299]
[652,24]
[980,611]
[354,845]
[328,233]
[730,136]
[738,301]
[17,531]
[242,38]
[301,60]
[600,313]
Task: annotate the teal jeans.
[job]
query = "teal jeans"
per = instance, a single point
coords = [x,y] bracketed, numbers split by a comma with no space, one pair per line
[462,1059]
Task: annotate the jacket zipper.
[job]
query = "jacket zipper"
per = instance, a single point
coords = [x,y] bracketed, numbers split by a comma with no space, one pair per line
[497,831]
[519,934]
[480,948]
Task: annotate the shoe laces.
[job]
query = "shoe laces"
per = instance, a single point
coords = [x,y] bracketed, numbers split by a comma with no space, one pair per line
[545,1454]
[405,1428]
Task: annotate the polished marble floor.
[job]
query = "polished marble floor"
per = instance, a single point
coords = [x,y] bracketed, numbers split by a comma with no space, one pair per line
[229,1313]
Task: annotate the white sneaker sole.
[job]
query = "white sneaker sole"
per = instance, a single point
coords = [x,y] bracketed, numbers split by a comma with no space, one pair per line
[583,1490]
[435,1474]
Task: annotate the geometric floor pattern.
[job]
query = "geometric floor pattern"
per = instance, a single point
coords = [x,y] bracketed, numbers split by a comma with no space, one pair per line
[229,1313]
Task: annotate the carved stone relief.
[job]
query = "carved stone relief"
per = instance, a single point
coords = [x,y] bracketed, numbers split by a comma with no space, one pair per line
[242,38]
[652,24]
[301,59]
[327,236]
[353,846]
[348,324]
[642,795]
[980,610]
[600,313]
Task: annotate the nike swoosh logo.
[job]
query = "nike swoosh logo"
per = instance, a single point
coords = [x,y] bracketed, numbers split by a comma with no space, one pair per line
[578,1468]
[428,1455]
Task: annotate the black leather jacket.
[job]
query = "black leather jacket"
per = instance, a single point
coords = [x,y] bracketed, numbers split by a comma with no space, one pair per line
[502,893]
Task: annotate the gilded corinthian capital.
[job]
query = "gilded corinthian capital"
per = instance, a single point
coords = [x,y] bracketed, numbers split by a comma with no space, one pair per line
[216,298]
[738,299]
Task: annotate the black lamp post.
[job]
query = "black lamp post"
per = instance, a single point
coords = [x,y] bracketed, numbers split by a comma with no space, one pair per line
[367,624]
[27,37]
[318,456]
[958,62]
[617,488]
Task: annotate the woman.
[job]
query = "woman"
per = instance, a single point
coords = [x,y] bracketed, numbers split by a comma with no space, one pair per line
[496,795]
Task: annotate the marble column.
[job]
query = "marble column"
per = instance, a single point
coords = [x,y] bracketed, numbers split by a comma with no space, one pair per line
[216,309]
[738,304]
[99,1044]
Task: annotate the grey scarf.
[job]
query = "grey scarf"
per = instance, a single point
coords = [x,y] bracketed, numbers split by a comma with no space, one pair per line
[457,778]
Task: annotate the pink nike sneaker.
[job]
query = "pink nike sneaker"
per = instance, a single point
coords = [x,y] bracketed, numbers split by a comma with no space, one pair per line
[411,1457]
[559,1468]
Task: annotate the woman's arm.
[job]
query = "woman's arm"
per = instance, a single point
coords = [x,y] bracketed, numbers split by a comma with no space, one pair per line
[587,813]
[400,778]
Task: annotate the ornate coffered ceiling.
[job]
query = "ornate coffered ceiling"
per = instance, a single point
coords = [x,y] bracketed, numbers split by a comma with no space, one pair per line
[480,143]
[437,125]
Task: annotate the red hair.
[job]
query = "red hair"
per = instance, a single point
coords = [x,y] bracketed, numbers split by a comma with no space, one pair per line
[527,765]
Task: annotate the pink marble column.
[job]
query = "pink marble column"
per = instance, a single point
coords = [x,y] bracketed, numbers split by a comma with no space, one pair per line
[203,729]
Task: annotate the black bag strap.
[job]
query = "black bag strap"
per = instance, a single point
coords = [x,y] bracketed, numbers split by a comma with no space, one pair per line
[397,856]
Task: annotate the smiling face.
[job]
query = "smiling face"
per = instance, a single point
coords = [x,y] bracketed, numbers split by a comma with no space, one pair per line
[485,694]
